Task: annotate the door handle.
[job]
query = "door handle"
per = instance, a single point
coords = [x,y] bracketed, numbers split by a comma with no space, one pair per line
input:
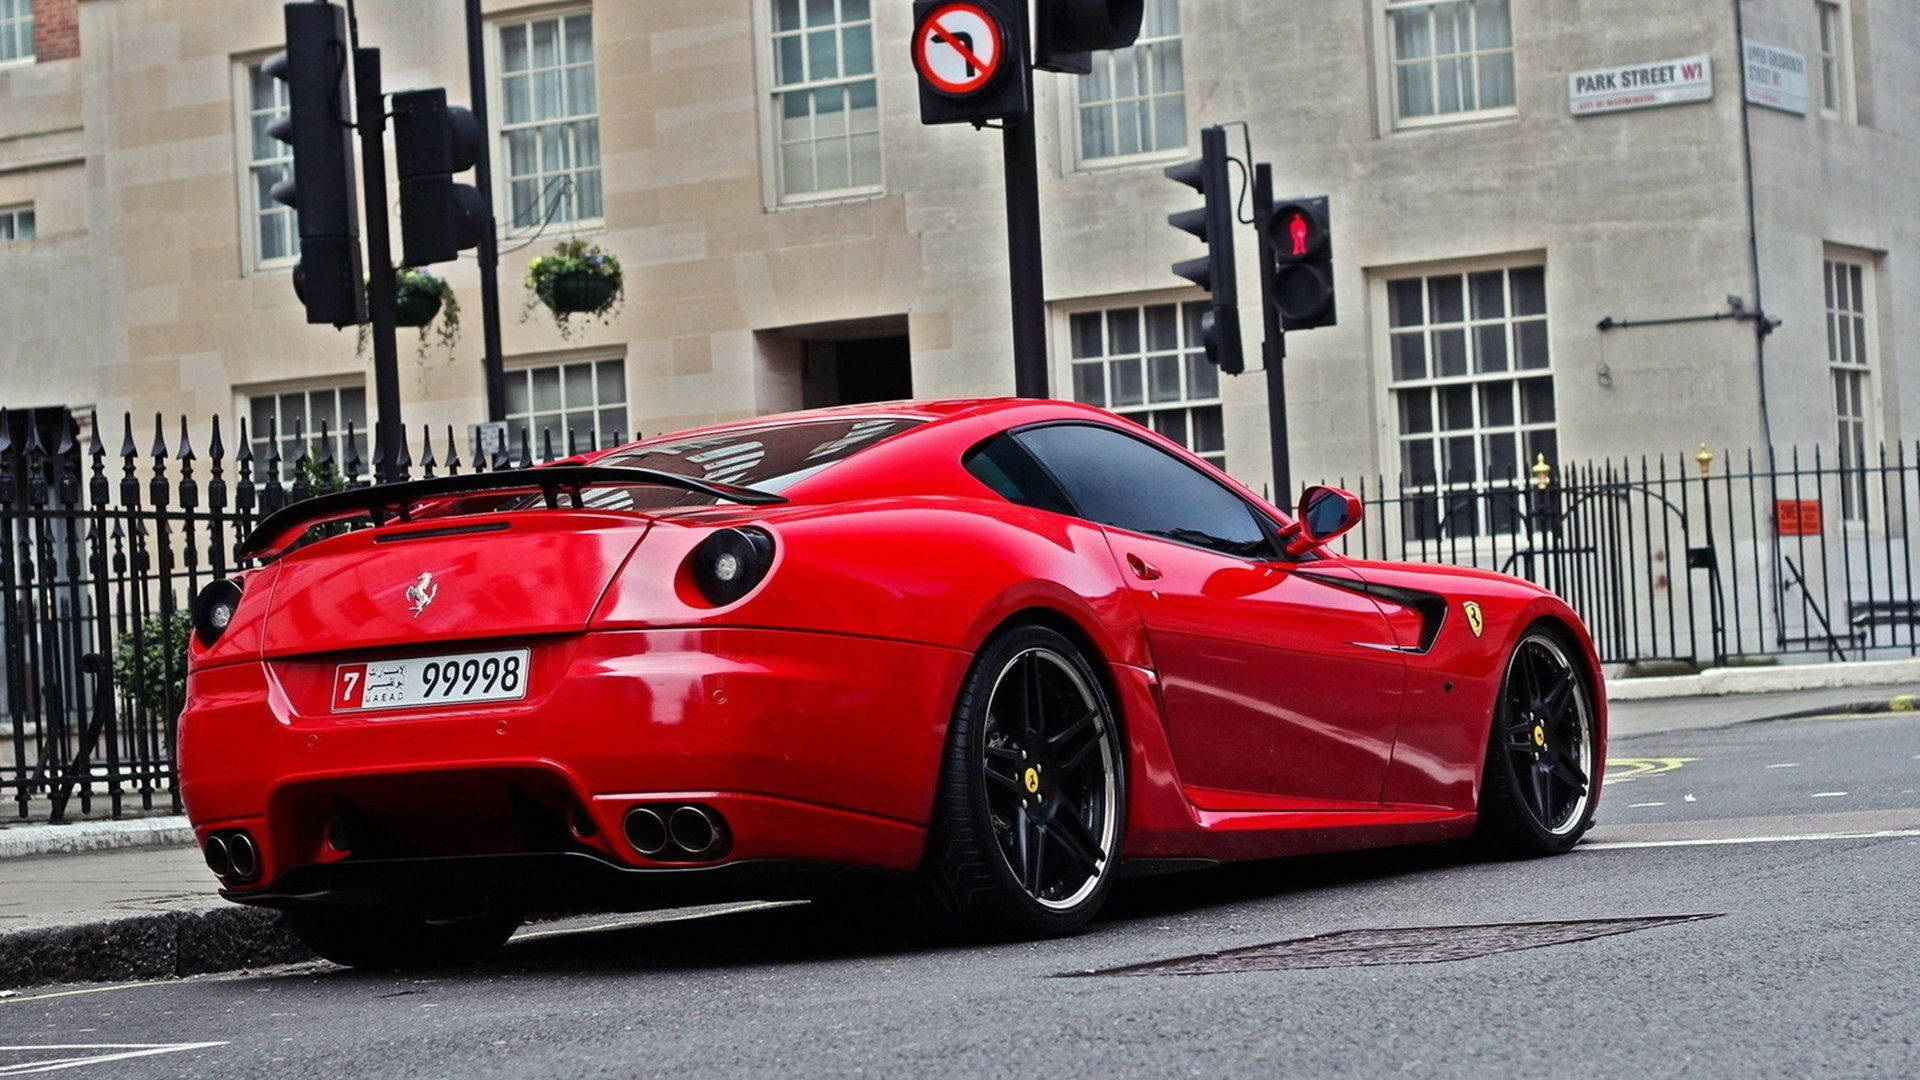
[1143,569]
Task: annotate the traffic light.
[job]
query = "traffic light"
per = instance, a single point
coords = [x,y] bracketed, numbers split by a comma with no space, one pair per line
[972,59]
[431,141]
[1301,232]
[1068,32]
[1213,224]
[322,192]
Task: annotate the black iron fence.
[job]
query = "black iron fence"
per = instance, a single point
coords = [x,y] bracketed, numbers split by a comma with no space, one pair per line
[100,555]
[1673,558]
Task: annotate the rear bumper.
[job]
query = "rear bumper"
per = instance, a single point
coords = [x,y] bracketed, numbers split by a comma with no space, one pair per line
[815,749]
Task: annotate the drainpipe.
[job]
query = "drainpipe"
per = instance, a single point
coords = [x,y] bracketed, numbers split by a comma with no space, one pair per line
[1763,325]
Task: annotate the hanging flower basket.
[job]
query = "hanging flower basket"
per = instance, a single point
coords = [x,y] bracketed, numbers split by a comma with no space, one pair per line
[578,278]
[425,303]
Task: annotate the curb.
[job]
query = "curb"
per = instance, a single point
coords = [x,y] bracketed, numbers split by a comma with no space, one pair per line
[28,840]
[1721,681]
[1903,703]
[169,945]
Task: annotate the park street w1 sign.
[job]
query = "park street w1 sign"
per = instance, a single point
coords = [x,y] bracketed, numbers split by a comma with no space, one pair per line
[1640,86]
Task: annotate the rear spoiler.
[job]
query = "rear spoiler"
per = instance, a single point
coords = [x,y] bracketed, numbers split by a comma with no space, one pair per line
[279,530]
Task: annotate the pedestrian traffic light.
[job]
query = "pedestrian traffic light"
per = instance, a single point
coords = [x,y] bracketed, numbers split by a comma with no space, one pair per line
[431,141]
[1301,232]
[321,192]
[972,59]
[1068,32]
[1213,223]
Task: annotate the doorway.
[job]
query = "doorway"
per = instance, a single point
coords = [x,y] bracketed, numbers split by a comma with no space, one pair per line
[855,371]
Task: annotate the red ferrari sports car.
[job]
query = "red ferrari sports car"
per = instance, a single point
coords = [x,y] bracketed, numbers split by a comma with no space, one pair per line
[990,654]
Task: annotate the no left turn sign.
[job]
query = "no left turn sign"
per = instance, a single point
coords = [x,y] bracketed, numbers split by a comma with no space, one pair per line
[959,49]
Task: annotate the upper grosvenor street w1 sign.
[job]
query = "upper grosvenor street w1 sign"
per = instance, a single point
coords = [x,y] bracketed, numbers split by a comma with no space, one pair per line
[1776,77]
[1640,86]
[959,49]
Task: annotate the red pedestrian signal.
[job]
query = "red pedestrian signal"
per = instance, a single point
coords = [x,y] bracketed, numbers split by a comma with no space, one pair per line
[1300,232]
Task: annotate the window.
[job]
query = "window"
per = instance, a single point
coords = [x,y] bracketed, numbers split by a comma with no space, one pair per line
[1118,480]
[16,30]
[550,122]
[1849,357]
[1472,393]
[276,232]
[1451,59]
[16,222]
[1149,364]
[586,399]
[1135,101]
[1836,56]
[771,458]
[1005,466]
[826,101]
[295,417]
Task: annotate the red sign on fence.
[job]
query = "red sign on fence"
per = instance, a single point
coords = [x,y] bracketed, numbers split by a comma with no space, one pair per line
[1797,517]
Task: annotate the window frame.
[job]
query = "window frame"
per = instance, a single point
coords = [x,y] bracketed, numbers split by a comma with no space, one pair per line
[1069,106]
[1841,58]
[30,56]
[1387,401]
[244,397]
[17,211]
[767,93]
[1263,519]
[1387,86]
[523,366]
[1863,368]
[497,121]
[1061,315]
[244,163]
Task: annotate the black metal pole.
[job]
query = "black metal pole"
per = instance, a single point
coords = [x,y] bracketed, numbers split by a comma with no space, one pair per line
[1273,351]
[496,377]
[371,108]
[1023,254]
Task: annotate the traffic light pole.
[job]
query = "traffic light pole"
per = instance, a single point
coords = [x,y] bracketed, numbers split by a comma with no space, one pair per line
[1027,269]
[496,376]
[371,110]
[1273,351]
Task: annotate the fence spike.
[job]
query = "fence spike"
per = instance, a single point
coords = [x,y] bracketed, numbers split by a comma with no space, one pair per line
[403,459]
[159,436]
[69,436]
[426,451]
[185,451]
[526,448]
[381,462]
[453,453]
[546,446]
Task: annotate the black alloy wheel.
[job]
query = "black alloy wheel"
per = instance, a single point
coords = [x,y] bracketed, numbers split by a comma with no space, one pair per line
[1537,795]
[1032,802]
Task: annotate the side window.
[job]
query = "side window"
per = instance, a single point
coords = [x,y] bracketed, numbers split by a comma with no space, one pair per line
[1002,465]
[1121,481]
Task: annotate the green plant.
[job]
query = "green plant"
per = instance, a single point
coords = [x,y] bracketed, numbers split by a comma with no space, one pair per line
[578,278]
[426,303]
[150,668]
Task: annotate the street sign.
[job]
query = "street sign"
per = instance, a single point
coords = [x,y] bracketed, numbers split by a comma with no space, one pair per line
[1776,77]
[1797,517]
[959,49]
[971,56]
[1640,86]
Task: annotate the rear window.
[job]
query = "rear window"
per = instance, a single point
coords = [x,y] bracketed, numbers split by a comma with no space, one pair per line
[770,459]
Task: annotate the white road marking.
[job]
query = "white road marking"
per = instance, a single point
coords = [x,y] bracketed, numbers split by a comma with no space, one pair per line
[1621,845]
[1638,805]
[1828,794]
[118,1052]
[1785,765]
[1690,797]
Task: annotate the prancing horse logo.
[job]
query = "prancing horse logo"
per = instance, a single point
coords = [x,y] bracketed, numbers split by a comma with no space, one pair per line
[421,593]
[1476,621]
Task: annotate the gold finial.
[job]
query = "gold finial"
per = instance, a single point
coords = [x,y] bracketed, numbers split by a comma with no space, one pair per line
[1705,458]
[1542,472]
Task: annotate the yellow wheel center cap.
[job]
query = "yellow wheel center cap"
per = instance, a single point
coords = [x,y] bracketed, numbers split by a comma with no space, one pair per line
[1032,780]
[1539,735]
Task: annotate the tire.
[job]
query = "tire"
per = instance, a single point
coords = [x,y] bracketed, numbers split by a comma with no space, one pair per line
[1536,794]
[390,939]
[1027,825]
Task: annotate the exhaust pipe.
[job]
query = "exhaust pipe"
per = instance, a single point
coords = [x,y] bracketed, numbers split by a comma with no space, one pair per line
[219,857]
[695,829]
[244,857]
[646,831]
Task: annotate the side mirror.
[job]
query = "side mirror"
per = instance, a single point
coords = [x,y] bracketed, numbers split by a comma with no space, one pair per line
[1325,515]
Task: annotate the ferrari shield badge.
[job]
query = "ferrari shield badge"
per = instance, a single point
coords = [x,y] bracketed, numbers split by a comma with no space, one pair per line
[1476,622]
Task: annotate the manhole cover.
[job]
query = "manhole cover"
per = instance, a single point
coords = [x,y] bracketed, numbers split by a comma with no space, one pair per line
[1397,945]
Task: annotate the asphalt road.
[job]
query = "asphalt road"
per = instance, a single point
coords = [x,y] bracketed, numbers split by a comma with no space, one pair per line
[1811,964]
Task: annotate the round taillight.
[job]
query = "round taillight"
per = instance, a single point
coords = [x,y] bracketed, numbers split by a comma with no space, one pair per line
[213,609]
[727,565]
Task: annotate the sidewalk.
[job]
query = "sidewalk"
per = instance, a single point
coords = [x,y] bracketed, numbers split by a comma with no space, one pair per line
[152,912]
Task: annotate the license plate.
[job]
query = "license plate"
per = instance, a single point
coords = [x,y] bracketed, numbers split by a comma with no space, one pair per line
[431,680]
